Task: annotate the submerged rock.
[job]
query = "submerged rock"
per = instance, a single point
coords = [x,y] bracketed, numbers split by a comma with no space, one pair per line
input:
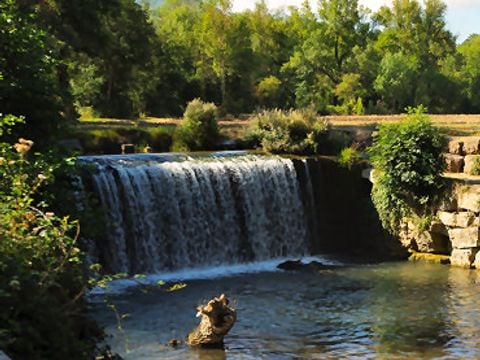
[428,257]
[298,265]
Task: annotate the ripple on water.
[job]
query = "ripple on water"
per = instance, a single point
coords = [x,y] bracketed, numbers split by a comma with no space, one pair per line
[389,311]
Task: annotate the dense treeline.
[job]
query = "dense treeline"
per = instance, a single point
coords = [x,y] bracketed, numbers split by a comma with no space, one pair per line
[121,58]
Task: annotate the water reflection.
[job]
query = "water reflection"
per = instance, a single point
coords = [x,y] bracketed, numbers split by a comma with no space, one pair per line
[384,311]
[407,306]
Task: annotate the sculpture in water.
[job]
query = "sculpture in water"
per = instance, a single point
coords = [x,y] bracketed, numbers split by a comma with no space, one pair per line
[217,318]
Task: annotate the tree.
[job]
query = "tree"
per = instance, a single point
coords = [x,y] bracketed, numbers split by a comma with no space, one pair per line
[213,33]
[326,54]
[349,91]
[28,83]
[421,36]
[470,69]
[176,54]
[394,82]
[268,92]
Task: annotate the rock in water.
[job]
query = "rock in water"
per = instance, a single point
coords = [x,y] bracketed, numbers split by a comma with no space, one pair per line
[298,265]
[217,318]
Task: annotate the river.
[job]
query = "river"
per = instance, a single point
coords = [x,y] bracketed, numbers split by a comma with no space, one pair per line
[387,311]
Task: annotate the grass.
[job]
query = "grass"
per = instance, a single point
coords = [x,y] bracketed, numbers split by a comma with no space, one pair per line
[97,132]
[454,125]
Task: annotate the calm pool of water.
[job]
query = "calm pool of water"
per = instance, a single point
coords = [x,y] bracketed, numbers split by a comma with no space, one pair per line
[385,311]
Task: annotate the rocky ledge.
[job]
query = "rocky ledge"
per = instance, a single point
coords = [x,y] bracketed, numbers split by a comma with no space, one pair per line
[455,231]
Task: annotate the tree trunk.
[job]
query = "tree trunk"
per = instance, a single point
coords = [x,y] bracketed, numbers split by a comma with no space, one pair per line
[217,318]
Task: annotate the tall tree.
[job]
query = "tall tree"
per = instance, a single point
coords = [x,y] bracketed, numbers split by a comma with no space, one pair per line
[176,56]
[214,30]
[395,81]
[328,51]
[470,70]
[420,35]
[28,83]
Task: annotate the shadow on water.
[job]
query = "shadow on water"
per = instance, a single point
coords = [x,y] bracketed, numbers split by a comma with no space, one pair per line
[395,310]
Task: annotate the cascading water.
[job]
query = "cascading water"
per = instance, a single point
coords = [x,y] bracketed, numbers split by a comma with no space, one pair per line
[166,215]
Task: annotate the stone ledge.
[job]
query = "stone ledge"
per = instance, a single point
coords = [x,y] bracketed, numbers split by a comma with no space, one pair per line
[461,219]
[463,257]
[465,238]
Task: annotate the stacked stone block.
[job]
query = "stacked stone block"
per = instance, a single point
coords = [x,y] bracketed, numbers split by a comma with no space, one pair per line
[463,154]
[456,230]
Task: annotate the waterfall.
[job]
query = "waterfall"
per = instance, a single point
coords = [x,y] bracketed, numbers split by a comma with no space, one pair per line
[310,201]
[166,214]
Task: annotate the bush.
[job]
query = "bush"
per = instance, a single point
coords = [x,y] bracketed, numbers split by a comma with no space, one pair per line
[349,157]
[160,140]
[43,313]
[108,141]
[294,132]
[199,127]
[407,157]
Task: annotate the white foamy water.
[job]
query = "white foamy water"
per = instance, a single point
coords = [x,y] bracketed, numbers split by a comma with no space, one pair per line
[203,273]
[168,213]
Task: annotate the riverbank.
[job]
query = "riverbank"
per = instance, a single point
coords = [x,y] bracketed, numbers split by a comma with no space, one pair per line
[104,136]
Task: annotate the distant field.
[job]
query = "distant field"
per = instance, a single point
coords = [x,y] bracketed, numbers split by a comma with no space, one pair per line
[456,125]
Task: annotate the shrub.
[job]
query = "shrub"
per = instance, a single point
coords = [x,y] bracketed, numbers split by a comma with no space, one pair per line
[199,127]
[294,131]
[43,313]
[160,139]
[349,157]
[108,141]
[408,159]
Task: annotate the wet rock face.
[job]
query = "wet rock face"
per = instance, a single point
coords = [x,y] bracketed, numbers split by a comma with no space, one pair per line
[434,240]
[463,257]
[217,318]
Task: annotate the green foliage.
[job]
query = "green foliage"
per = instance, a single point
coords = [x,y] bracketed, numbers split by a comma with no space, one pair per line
[476,166]
[199,127]
[28,83]
[408,163]
[109,141]
[43,313]
[293,131]
[395,81]
[470,70]
[349,157]
[268,91]
[122,58]
[349,89]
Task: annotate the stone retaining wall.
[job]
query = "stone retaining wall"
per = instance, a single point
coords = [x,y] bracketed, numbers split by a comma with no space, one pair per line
[463,155]
[455,231]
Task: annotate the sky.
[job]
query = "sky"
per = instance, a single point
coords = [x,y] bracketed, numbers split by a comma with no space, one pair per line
[463,16]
